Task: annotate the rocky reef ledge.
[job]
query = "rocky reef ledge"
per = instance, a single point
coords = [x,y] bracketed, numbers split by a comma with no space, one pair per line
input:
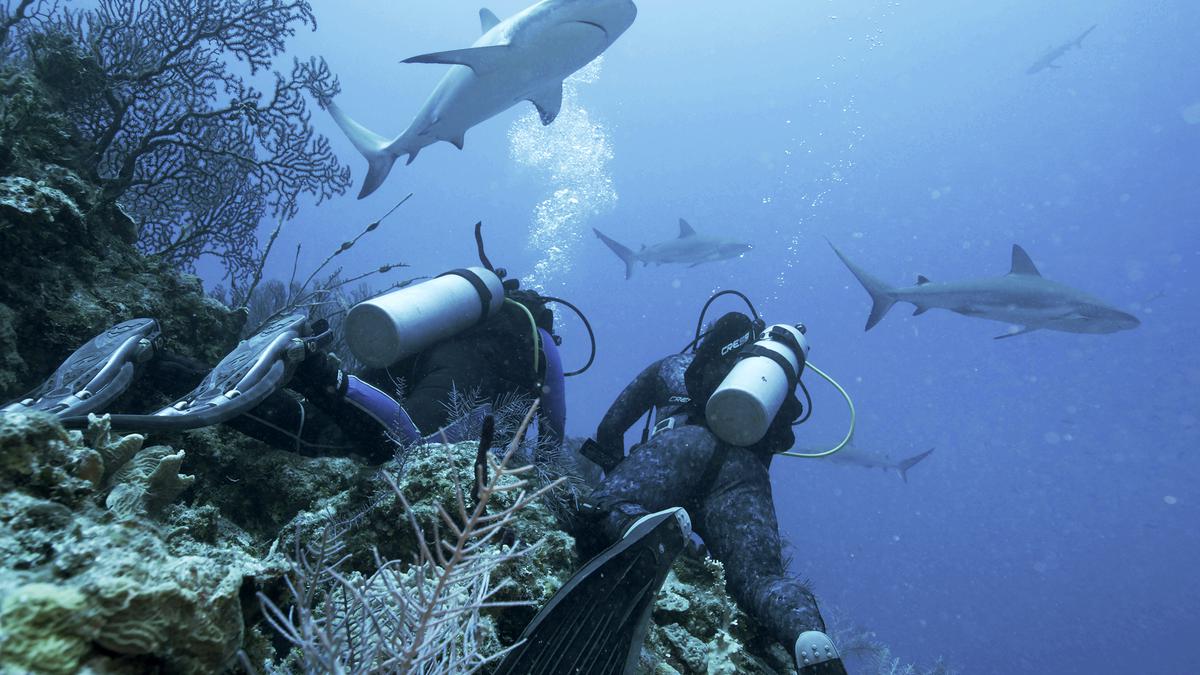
[118,556]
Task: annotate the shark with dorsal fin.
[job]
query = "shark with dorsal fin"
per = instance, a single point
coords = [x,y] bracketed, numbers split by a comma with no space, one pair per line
[525,57]
[1023,298]
[855,455]
[689,248]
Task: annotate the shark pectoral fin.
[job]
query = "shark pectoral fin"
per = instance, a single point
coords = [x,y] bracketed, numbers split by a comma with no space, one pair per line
[478,59]
[920,310]
[1022,331]
[685,230]
[548,103]
[487,19]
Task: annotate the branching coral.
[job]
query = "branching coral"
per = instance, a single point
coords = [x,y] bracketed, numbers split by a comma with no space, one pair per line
[422,616]
[188,147]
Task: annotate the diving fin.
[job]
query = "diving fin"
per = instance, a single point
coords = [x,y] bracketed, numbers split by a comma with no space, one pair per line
[597,621]
[258,367]
[816,655]
[96,374]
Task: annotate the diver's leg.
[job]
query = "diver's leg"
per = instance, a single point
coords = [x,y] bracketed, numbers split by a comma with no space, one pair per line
[737,522]
[661,473]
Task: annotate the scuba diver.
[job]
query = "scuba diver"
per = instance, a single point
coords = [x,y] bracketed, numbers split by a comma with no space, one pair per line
[469,331]
[721,413]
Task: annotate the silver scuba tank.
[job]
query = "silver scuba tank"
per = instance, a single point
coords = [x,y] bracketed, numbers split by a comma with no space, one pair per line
[743,406]
[386,329]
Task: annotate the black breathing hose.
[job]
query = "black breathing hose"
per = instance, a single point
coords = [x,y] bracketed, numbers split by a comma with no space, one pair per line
[591,335]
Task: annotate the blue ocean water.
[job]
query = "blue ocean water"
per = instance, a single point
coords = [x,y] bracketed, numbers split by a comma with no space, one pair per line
[1054,528]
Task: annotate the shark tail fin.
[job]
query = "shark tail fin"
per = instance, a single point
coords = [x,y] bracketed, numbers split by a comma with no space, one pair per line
[374,147]
[882,298]
[626,255]
[910,463]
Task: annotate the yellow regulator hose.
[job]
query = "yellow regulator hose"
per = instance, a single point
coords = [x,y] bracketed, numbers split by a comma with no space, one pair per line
[849,434]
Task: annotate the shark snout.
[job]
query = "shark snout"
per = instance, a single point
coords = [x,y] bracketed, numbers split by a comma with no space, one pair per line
[1124,321]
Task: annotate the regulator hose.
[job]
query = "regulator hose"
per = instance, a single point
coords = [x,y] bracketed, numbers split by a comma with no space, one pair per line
[853,419]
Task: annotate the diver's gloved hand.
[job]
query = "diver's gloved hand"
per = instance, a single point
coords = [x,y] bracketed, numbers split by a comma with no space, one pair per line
[606,458]
[816,655]
[319,375]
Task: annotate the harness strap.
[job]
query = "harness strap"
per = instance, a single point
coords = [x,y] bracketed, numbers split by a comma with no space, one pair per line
[756,350]
[485,293]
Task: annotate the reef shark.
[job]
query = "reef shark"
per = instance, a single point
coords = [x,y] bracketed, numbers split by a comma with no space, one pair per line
[526,57]
[852,455]
[1022,297]
[688,248]
[1054,53]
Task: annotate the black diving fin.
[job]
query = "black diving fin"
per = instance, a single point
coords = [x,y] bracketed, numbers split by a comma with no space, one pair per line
[258,367]
[96,374]
[597,621]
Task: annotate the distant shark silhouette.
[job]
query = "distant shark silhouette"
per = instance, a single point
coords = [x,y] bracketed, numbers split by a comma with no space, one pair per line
[688,248]
[1055,53]
[1022,297]
[852,455]
[526,57]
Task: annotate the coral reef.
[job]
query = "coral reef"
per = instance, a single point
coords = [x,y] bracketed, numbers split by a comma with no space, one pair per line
[69,269]
[81,583]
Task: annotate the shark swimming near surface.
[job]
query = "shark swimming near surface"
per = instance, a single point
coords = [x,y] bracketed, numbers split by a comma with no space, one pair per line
[1055,53]
[688,248]
[526,57]
[1023,297]
[852,455]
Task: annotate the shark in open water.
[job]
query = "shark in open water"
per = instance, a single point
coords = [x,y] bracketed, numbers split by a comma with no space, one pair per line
[526,57]
[1023,297]
[852,455]
[688,248]
[1055,53]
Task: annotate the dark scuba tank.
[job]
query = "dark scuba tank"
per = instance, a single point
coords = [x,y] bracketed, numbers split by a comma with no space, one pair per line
[396,325]
[743,406]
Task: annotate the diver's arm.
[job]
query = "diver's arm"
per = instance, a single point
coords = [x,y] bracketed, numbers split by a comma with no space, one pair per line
[631,403]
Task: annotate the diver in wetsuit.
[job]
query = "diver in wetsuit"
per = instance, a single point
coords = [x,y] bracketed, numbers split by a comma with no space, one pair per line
[722,413]
[725,488]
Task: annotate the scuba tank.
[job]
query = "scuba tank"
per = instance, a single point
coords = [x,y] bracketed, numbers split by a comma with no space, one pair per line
[743,406]
[386,329]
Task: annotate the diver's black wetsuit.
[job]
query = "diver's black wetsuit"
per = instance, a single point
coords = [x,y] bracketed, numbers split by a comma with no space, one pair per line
[725,488]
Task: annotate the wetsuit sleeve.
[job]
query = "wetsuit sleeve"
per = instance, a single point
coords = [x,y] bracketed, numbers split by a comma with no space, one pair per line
[452,366]
[631,403]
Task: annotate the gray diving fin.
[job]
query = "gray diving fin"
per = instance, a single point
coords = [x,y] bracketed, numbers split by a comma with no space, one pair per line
[478,59]
[597,621]
[259,366]
[548,103]
[96,374]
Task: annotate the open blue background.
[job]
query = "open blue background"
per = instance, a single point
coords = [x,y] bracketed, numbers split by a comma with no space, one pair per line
[1055,528]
